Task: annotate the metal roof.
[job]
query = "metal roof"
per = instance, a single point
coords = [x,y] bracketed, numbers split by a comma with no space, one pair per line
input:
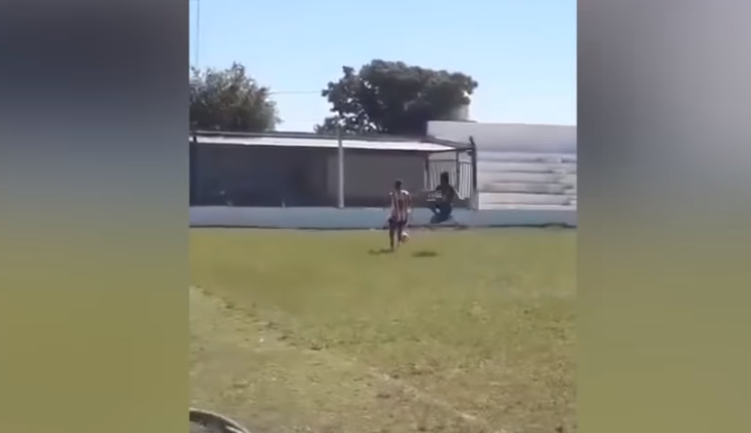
[322,141]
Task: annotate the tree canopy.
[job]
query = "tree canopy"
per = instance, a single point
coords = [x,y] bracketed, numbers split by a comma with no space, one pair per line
[393,98]
[230,100]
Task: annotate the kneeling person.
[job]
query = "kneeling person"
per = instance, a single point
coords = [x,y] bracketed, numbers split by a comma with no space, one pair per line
[444,205]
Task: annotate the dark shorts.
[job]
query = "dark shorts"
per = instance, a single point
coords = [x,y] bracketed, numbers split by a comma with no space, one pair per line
[442,212]
[397,224]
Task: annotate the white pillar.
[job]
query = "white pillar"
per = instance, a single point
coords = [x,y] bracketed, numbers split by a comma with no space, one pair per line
[340,167]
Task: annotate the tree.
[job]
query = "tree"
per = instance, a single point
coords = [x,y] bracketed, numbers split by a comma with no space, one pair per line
[230,100]
[393,98]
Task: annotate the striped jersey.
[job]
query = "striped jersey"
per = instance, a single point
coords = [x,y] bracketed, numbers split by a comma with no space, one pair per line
[400,202]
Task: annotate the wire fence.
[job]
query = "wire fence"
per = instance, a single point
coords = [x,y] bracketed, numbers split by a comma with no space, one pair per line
[460,175]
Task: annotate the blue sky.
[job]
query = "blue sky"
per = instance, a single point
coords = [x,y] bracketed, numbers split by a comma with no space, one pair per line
[523,53]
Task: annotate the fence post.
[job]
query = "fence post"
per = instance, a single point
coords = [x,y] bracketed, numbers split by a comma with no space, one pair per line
[457,169]
[193,168]
[340,167]
[475,193]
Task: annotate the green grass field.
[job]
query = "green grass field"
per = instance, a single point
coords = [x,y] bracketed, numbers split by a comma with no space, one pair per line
[319,332]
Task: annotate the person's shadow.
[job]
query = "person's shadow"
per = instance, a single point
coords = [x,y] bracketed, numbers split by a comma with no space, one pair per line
[424,254]
[380,251]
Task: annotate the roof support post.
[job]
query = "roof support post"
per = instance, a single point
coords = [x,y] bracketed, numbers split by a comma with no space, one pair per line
[340,167]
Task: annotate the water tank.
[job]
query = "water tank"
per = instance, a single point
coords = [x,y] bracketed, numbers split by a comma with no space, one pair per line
[459,114]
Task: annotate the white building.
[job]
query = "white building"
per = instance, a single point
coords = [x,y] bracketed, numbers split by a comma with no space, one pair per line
[519,165]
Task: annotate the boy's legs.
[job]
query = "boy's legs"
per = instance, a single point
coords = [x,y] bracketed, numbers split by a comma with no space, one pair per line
[400,230]
[392,231]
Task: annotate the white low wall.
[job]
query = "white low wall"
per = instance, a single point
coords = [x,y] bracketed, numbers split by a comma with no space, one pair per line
[509,137]
[368,218]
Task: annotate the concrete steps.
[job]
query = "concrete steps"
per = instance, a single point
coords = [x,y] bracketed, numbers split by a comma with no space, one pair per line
[524,167]
[484,178]
[529,188]
[553,158]
[539,207]
[489,199]
[527,180]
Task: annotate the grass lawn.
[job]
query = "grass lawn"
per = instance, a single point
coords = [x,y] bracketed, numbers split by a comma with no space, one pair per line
[318,332]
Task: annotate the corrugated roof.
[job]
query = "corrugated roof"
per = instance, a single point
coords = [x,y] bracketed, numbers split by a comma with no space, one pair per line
[324,142]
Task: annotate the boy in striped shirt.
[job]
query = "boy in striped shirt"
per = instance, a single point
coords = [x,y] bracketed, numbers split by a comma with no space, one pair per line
[401,207]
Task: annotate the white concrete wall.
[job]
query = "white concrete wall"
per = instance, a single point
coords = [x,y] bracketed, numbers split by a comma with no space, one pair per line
[520,166]
[368,218]
[509,137]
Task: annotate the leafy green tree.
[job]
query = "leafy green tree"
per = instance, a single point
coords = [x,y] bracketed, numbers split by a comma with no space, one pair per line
[230,100]
[393,98]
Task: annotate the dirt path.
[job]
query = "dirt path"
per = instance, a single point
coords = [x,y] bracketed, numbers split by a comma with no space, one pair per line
[242,368]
